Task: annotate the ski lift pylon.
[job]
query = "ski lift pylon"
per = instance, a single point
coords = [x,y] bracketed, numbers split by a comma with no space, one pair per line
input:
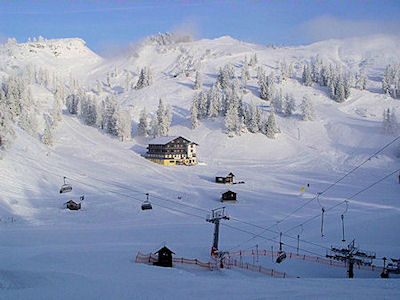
[66,187]
[342,217]
[146,203]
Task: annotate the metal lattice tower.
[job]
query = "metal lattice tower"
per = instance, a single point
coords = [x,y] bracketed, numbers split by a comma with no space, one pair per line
[215,217]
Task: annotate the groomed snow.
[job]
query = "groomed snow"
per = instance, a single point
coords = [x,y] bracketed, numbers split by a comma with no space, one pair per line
[48,252]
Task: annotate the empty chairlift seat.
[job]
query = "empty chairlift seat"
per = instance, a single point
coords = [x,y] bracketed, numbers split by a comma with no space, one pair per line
[66,187]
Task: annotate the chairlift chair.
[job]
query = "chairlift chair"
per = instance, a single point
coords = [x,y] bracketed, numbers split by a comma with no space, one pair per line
[281,254]
[146,203]
[66,187]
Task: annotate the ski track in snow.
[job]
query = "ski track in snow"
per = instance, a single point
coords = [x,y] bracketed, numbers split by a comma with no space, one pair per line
[51,253]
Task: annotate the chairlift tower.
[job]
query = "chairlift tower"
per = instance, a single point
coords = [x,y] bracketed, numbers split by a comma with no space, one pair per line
[215,217]
[351,255]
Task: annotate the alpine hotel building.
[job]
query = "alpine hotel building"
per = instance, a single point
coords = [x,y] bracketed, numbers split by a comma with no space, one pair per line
[172,150]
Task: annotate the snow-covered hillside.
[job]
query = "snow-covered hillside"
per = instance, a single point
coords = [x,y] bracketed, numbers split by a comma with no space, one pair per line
[49,252]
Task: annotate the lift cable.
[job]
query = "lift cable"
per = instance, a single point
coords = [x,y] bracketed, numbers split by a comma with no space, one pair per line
[346,201]
[337,181]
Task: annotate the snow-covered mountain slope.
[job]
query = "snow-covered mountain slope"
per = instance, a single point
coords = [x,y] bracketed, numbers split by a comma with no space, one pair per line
[46,249]
[61,56]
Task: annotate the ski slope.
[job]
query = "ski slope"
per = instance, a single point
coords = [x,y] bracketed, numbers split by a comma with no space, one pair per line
[49,252]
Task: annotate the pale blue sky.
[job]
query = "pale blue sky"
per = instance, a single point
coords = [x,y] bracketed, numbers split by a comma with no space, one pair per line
[115,23]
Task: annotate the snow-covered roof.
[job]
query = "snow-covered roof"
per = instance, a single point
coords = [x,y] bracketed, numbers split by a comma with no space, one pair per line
[163,140]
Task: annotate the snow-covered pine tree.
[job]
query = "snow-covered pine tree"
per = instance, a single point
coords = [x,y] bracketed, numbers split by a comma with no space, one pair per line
[142,129]
[108,79]
[340,91]
[262,82]
[307,109]
[73,104]
[141,80]
[254,119]
[28,120]
[223,79]
[111,117]
[194,113]
[154,127]
[243,78]
[149,78]
[232,119]
[277,102]
[202,108]
[260,74]
[145,78]
[100,112]
[214,101]
[89,115]
[306,77]
[56,111]
[348,82]
[316,69]
[47,137]
[127,82]
[198,82]
[160,119]
[267,87]
[167,120]
[289,105]
[253,60]
[361,80]
[272,128]
[6,131]
[124,125]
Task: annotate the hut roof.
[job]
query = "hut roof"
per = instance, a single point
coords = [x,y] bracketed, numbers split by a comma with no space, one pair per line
[71,202]
[165,249]
[228,192]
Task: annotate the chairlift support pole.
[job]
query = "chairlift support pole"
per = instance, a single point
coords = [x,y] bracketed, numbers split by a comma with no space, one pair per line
[322,222]
[298,244]
[216,216]
[342,217]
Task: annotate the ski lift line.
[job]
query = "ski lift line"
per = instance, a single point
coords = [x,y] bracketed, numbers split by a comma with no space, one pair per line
[254,235]
[125,195]
[347,201]
[269,239]
[337,181]
[272,231]
[309,220]
[120,186]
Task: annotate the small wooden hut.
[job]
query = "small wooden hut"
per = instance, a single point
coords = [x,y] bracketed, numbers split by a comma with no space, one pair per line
[228,196]
[71,205]
[227,179]
[164,257]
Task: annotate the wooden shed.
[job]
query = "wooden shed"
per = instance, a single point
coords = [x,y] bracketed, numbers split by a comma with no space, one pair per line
[228,196]
[164,257]
[227,179]
[73,205]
